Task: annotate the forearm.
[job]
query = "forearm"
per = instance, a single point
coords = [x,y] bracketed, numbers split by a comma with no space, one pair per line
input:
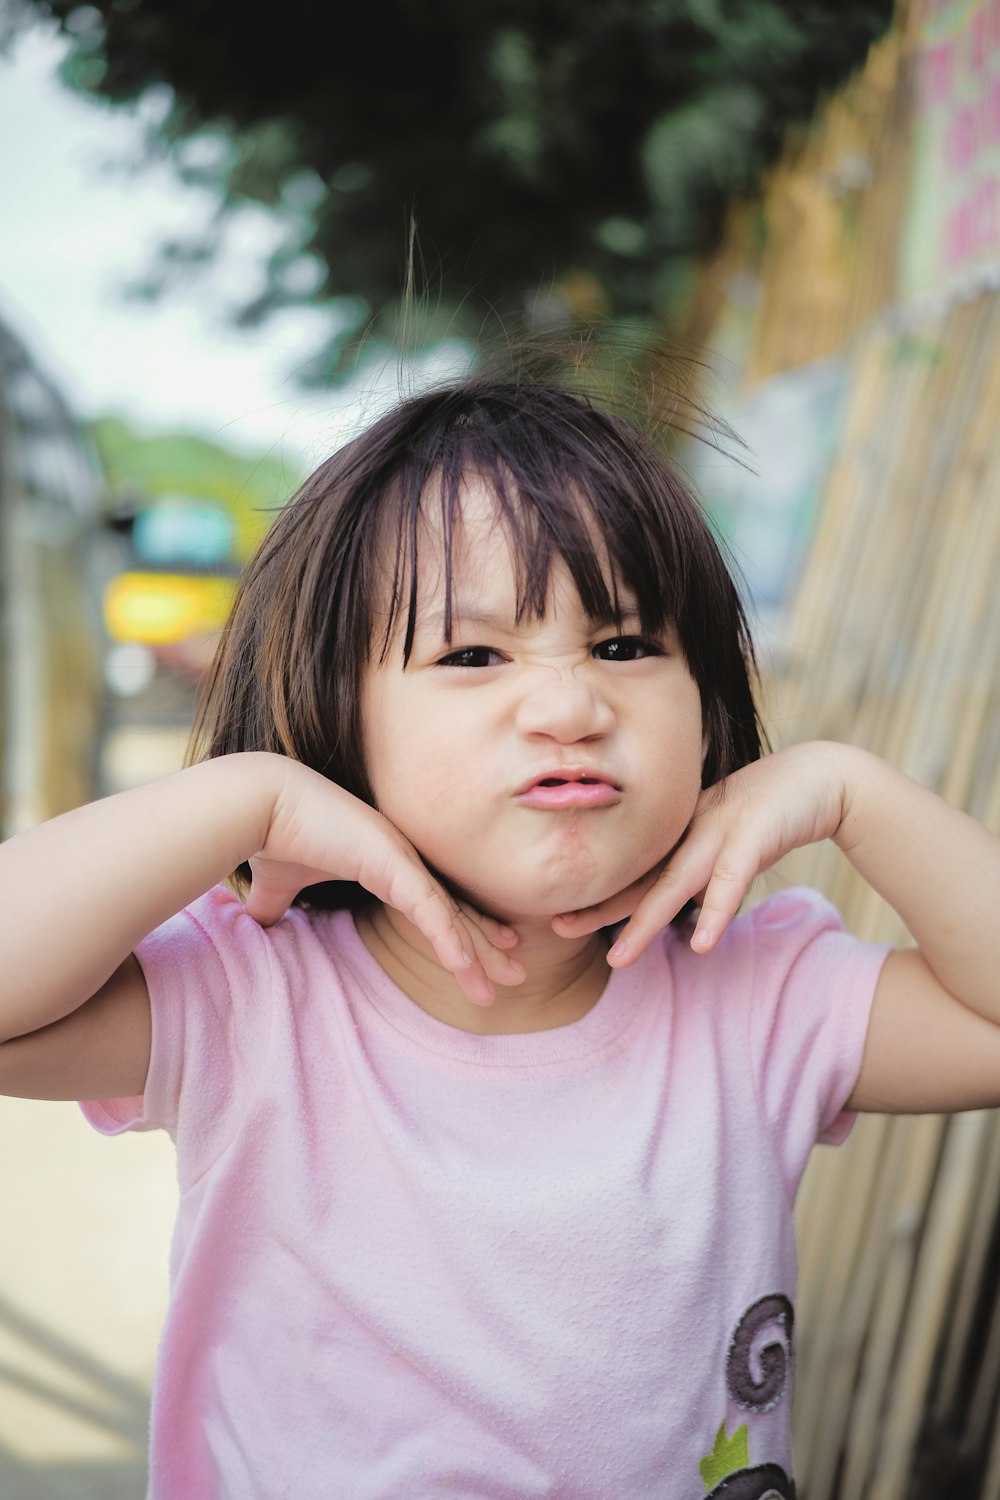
[79,892]
[937,867]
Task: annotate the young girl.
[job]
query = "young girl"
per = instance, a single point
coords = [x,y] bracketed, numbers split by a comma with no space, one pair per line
[473,1205]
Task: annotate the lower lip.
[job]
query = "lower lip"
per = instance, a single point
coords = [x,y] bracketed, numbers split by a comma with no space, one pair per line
[570,794]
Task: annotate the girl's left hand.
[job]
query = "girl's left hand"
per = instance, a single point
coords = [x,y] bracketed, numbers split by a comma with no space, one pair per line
[740,828]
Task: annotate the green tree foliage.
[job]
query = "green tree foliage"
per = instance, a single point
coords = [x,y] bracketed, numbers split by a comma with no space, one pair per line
[557,155]
[141,468]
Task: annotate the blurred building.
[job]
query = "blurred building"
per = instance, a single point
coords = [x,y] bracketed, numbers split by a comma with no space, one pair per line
[50,663]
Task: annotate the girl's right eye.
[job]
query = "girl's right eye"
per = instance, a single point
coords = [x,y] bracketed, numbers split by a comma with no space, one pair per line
[472,656]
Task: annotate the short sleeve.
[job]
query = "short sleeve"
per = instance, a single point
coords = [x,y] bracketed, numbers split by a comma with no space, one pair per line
[813,988]
[209,972]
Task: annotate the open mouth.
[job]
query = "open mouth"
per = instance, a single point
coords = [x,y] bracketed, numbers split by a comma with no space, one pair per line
[572,781]
[557,792]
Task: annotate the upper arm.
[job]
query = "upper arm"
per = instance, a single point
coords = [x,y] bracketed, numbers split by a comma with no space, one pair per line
[99,1051]
[925,1052]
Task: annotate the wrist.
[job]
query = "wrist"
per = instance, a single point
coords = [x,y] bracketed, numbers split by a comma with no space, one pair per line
[244,789]
[865,785]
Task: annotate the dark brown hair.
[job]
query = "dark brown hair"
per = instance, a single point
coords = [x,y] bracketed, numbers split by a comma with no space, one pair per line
[336,571]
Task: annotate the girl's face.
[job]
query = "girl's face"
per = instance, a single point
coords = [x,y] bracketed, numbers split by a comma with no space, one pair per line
[538,766]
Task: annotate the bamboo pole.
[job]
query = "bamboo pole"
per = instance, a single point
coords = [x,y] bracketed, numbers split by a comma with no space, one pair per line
[959,1331]
[933,1281]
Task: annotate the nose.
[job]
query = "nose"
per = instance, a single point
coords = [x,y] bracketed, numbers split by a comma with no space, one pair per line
[566,708]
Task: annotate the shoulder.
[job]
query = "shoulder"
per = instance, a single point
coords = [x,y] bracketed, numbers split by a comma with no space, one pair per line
[789,921]
[217,979]
[796,913]
[219,916]
[796,953]
[762,940]
[787,984]
[230,1001]
[799,944]
[217,928]
[812,993]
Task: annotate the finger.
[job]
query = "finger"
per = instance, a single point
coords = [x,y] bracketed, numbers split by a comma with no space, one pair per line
[470,944]
[441,921]
[675,885]
[392,870]
[499,966]
[266,912]
[267,901]
[730,880]
[498,933]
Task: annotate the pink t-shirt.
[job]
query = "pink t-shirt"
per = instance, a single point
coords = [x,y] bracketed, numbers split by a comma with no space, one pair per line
[413,1263]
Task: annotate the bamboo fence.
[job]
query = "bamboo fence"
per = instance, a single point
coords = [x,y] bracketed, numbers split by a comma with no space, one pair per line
[893,643]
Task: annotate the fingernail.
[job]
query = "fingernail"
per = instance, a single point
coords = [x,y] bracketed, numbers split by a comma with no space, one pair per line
[517,968]
[618,949]
[507,932]
[702,938]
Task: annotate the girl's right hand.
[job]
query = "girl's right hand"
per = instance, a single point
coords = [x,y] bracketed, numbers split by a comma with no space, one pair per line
[318,832]
[74,1015]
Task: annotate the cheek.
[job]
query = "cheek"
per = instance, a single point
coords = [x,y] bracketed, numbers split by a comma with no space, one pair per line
[415,775]
[680,760]
[377,739]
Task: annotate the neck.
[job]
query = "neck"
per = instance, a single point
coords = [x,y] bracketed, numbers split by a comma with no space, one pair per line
[565,978]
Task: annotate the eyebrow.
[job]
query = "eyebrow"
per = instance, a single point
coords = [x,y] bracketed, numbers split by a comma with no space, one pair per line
[475,616]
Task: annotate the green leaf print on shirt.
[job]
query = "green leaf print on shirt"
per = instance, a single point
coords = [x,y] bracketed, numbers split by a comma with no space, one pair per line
[727,1455]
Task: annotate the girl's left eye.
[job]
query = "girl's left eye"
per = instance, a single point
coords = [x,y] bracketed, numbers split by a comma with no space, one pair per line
[626,648]
[472,656]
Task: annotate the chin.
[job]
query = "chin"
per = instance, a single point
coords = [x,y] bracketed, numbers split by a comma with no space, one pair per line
[536,891]
[530,902]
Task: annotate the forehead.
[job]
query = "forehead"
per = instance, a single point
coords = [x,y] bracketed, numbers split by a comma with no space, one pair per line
[476,533]
[471,520]
[489,548]
[466,532]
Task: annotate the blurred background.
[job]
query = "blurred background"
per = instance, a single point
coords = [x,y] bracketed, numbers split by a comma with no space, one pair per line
[208,223]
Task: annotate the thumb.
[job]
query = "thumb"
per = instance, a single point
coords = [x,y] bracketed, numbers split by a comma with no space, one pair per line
[269,899]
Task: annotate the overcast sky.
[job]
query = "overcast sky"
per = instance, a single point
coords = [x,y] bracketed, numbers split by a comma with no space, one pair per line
[76,225]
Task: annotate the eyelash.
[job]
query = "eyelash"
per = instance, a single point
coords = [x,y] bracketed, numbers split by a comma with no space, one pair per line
[645,648]
[454,658]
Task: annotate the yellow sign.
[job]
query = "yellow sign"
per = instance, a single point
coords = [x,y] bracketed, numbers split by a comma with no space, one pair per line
[158,609]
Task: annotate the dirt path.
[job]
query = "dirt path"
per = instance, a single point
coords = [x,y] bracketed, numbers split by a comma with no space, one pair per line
[85,1226]
[83,1282]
